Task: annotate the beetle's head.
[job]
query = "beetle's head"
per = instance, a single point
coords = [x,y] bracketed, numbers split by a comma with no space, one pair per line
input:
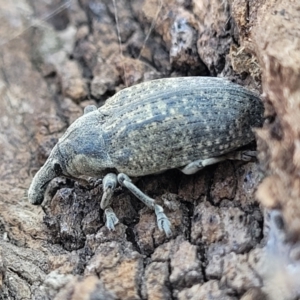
[80,152]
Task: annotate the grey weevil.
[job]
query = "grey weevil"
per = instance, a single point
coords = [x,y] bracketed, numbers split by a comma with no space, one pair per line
[186,123]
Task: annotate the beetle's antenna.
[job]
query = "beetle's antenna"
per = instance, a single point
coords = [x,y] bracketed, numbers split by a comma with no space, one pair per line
[153,23]
[120,41]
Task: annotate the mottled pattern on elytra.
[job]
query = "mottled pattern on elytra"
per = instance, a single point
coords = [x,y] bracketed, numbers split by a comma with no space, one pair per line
[168,123]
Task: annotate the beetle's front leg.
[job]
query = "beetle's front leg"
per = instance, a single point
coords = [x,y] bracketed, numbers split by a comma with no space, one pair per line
[162,220]
[109,185]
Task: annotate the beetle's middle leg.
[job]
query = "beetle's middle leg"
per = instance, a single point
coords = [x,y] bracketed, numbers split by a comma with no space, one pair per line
[198,165]
[162,220]
[109,184]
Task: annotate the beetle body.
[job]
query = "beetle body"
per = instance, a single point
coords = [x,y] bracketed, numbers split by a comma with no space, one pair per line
[165,124]
[152,127]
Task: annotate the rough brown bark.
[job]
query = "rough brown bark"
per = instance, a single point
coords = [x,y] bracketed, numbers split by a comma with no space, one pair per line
[52,68]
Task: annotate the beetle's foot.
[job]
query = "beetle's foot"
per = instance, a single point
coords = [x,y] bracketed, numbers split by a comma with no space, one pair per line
[246,155]
[249,155]
[111,219]
[162,220]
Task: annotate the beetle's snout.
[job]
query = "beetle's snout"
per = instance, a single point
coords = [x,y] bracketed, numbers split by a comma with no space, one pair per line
[35,194]
[41,180]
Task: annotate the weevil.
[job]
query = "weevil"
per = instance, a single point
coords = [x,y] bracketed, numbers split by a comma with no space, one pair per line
[186,123]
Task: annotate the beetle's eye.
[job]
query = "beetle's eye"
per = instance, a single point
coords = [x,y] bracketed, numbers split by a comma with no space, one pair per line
[57,169]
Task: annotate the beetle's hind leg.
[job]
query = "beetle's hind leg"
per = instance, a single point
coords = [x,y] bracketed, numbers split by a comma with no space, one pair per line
[109,185]
[198,165]
[162,220]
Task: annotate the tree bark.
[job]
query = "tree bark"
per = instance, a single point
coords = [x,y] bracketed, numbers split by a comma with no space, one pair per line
[56,58]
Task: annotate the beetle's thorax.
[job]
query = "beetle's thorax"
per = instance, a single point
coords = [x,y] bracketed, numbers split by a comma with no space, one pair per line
[83,147]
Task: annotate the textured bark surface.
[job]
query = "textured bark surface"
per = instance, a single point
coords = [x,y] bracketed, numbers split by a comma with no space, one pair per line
[58,57]
[278,48]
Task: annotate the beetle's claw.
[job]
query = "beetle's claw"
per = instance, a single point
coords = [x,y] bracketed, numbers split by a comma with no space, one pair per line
[162,221]
[111,219]
[248,155]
